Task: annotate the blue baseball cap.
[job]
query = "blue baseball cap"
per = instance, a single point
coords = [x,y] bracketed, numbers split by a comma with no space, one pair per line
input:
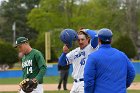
[105,34]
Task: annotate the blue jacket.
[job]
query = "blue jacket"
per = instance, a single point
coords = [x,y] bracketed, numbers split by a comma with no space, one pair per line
[108,70]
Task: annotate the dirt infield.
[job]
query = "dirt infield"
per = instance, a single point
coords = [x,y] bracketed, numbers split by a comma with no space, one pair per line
[52,87]
[47,87]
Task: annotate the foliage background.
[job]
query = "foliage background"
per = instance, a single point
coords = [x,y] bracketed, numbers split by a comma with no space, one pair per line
[35,17]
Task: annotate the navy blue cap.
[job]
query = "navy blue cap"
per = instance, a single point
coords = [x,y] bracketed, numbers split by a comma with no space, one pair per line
[105,34]
[67,36]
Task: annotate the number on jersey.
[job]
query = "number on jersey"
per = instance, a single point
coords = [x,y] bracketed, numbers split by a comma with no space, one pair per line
[29,70]
[82,62]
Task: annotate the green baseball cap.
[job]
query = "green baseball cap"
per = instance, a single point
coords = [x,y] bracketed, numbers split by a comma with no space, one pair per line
[21,40]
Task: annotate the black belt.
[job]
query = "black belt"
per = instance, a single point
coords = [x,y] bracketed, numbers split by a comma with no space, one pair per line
[77,80]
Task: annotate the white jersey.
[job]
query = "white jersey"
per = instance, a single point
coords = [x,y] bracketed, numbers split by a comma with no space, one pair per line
[77,58]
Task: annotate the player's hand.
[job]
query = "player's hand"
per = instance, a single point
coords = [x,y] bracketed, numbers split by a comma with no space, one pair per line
[28,85]
[65,49]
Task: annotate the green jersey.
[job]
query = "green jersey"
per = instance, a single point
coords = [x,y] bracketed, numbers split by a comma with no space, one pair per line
[33,65]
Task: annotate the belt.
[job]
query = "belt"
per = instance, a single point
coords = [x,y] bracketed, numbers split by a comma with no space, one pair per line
[78,80]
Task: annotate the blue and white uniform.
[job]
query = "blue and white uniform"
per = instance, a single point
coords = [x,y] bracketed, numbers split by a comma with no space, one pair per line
[77,58]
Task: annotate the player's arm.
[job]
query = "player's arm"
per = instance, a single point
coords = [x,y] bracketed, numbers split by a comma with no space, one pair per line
[41,73]
[93,37]
[89,75]
[42,65]
[62,59]
[130,73]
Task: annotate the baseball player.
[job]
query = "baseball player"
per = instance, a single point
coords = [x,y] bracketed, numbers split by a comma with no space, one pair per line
[108,70]
[78,57]
[33,66]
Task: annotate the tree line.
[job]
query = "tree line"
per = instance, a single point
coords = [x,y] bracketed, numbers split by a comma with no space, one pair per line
[35,17]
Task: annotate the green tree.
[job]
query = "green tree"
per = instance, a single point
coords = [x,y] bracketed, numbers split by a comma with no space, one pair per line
[125,44]
[51,16]
[8,54]
[92,14]
[48,16]
[16,11]
[59,14]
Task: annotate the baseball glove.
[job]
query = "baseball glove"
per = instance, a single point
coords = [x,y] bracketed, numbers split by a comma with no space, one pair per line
[28,85]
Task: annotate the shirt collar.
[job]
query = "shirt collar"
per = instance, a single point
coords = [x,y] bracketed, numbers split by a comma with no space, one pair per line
[105,46]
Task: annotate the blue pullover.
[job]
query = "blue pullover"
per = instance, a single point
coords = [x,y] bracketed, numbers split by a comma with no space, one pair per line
[108,70]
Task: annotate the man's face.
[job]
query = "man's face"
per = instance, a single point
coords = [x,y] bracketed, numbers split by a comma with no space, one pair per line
[22,48]
[82,41]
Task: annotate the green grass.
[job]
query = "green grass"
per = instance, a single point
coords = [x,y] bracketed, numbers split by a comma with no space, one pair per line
[52,80]
[48,80]
[10,80]
[137,78]
[133,91]
[136,61]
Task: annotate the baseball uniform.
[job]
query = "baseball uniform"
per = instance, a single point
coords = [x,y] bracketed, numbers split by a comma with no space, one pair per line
[33,66]
[78,58]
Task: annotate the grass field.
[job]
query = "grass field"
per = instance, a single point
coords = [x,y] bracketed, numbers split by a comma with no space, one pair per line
[48,80]
[137,78]
[54,80]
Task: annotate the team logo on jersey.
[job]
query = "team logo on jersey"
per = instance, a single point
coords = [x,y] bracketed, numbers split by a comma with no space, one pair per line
[77,55]
[26,63]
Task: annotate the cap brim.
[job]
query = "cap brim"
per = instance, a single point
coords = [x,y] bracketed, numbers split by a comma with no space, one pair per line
[15,46]
[19,44]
